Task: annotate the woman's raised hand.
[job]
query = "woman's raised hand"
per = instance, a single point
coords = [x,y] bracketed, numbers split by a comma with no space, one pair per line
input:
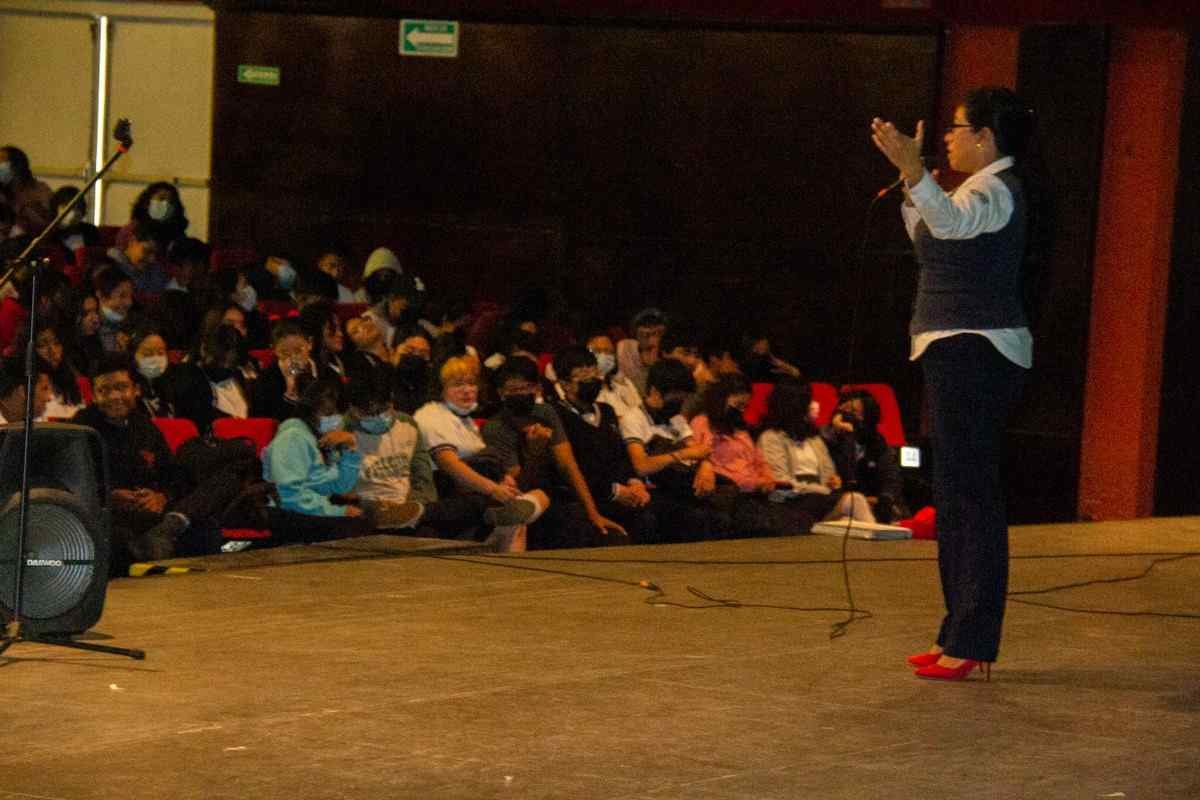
[903,151]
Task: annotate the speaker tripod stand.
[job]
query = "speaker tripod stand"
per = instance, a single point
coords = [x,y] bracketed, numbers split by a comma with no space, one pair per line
[16,629]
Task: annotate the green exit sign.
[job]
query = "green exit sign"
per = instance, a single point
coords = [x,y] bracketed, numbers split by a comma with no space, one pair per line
[431,38]
[257,74]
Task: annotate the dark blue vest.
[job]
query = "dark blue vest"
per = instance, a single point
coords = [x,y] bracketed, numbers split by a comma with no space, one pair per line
[972,283]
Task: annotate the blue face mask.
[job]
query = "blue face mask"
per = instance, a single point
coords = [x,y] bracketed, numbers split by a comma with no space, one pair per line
[329,424]
[286,276]
[606,362]
[377,425]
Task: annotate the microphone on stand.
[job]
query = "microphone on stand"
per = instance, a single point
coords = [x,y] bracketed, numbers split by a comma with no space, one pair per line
[885,191]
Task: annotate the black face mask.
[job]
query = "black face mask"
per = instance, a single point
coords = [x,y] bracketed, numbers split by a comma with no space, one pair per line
[520,405]
[734,419]
[412,368]
[589,391]
[669,410]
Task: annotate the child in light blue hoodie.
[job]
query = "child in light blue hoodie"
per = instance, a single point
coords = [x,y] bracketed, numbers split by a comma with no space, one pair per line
[311,459]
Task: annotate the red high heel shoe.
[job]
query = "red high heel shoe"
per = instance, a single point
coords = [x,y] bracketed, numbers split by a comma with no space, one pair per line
[924,659]
[939,673]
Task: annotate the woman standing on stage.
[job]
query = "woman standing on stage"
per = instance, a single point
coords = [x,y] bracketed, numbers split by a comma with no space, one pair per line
[971,334]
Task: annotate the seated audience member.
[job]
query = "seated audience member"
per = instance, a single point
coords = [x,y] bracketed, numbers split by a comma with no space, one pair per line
[396,298]
[228,287]
[460,458]
[177,313]
[312,460]
[275,394]
[313,286]
[84,347]
[12,392]
[53,287]
[518,337]
[156,387]
[273,278]
[158,212]
[114,292]
[447,328]
[335,262]
[153,505]
[138,258]
[371,355]
[528,439]
[410,387]
[636,355]
[664,452]
[74,231]
[722,427]
[763,366]
[719,353]
[863,457]
[804,471]
[616,390]
[683,343]
[212,385]
[321,325]
[594,432]
[65,398]
[28,197]
[396,477]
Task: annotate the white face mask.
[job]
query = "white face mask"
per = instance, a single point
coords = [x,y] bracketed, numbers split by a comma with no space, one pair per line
[152,366]
[160,209]
[73,243]
[462,411]
[329,424]
[246,298]
[286,276]
[607,362]
[6,173]
[111,314]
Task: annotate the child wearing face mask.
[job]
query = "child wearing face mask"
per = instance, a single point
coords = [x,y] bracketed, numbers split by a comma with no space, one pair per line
[313,458]
[150,357]
[159,210]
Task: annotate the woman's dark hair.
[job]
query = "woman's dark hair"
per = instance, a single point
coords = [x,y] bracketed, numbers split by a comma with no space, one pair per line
[63,195]
[314,318]
[219,343]
[668,375]
[1012,125]
[1010,120]
[108,279]
[571,358]
[313,392]
[64,378]
[169,229]
[715,399]
[19,163]
[870,406]
[787,409]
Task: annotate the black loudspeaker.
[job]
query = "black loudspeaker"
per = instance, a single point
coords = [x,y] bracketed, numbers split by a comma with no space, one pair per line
[66,555]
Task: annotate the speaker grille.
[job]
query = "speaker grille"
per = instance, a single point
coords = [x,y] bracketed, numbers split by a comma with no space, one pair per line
[60,560]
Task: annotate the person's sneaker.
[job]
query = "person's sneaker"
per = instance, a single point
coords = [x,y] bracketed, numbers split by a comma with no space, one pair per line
[159,542]
[514,512]
[401,515]
[507,539]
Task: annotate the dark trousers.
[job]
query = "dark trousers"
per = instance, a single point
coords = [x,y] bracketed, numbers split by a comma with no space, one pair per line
[971,389]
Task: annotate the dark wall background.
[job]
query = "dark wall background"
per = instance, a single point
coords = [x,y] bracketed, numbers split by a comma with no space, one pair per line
[722,173]
[1178,486]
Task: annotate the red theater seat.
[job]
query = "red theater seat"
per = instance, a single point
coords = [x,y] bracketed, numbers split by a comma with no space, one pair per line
[891,424]
[108,235]
[756,409]
[265,357]
[85,389]
[260,430]
[276,310]
[232,257]
[826,395]
[176,430]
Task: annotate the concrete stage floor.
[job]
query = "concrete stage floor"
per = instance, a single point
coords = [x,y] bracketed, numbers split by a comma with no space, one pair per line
[474,676]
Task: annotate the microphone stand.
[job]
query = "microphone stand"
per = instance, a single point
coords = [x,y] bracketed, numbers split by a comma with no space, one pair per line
[13,632]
